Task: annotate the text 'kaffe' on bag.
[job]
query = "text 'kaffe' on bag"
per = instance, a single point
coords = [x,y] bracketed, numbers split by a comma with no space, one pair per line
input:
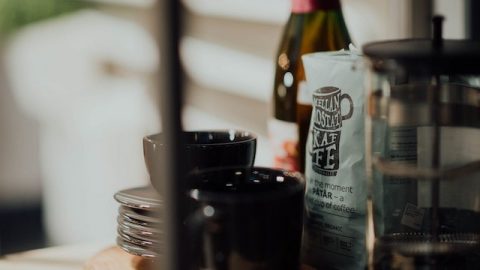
[326,129]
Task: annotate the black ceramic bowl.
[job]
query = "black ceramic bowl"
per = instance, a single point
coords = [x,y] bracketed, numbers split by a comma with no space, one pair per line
[203,149]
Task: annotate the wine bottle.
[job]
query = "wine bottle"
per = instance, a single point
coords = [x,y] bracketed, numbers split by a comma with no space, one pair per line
[313,25]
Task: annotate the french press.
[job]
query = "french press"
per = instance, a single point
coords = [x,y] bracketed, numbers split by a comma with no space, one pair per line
[423,152]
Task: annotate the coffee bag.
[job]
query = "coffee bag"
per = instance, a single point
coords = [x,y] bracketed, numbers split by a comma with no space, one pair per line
[335,201]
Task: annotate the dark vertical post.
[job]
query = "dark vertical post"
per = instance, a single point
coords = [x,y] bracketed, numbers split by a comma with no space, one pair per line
[437,44]
[170,26]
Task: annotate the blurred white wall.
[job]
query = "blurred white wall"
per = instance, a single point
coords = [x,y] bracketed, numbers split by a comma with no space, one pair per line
[454,12]
[20,184]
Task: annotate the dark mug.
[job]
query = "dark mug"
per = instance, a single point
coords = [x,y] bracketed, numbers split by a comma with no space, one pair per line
[203,149]
[245,218]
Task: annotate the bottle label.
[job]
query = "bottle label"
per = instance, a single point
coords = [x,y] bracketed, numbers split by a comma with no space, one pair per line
[284,140]
[308,6]
[304,6]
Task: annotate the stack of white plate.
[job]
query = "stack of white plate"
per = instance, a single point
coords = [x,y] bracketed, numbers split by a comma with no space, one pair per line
[139,221]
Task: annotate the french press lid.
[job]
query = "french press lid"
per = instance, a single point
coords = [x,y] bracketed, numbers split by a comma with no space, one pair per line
[426,100]
[434,56]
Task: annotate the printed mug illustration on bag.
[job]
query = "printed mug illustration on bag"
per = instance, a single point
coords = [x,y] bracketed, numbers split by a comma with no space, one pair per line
[326,131]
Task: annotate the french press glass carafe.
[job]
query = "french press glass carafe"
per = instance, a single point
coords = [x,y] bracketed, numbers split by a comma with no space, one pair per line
[423,152]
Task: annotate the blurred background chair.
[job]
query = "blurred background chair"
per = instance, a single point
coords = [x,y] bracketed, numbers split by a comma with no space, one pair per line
[85,81]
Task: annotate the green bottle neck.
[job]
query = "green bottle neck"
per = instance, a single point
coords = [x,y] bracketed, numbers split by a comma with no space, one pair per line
[309,6]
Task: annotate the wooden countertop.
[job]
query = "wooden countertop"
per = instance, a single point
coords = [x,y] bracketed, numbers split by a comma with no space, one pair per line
[78,257]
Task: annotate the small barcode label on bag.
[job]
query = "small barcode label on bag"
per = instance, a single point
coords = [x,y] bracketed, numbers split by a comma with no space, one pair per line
[413,216]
